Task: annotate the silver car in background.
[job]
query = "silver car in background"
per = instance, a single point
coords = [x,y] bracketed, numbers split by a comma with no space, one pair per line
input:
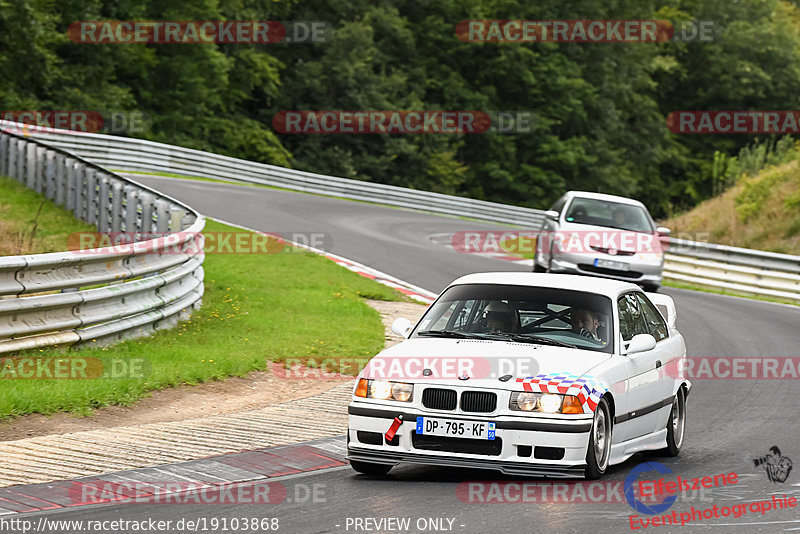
[601,235]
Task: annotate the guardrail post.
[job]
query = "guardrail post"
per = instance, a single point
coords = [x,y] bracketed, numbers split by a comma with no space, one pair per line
[131,209]
[117,192]
[162,216]
[4,154]
[90,214]
[103,205]
[147,200]
[19,175]
[11,166]
[50,174]
[79,207]
[40,176]
[59,178]
[71,184]
[176,219]
[30,166]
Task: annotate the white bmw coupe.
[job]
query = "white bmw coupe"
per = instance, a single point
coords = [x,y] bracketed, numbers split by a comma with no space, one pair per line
[530,374]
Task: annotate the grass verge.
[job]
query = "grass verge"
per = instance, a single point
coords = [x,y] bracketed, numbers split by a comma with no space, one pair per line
[32,224]
[256,308]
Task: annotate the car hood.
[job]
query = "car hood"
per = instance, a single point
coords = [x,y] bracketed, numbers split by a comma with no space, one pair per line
[483,361]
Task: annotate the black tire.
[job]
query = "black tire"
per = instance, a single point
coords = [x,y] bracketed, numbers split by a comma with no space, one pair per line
[676,425]
[651,288]
[599,442]
[538,268]
[369,468]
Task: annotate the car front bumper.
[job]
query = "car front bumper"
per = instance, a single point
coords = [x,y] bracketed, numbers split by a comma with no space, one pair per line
[639,272]
[519,445]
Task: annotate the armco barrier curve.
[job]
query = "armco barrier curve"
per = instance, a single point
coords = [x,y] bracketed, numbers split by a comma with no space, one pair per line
[749,271]
[102,295]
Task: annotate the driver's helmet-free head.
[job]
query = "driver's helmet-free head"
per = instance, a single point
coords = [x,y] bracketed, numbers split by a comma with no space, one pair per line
[499,316]
[586,323]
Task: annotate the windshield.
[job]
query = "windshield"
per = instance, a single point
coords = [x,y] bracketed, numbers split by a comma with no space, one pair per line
[610,214]
[523,314]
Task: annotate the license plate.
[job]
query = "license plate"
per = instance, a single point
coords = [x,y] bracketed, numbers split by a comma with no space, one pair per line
[609,264]
[433,426]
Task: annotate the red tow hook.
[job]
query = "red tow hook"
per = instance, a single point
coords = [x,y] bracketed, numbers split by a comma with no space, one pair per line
[393,429]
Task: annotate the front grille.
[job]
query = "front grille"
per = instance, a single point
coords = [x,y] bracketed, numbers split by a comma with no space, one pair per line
[618,253]
[612,272]
[485,447]
[439,399]
[478,401]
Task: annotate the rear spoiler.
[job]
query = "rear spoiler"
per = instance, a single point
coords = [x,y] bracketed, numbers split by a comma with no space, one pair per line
[666,306]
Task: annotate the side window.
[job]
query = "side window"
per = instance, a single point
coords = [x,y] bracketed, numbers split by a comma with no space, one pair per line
[652,318]
[631,319]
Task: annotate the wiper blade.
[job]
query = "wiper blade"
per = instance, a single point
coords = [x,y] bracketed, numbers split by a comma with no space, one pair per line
[446,333]
[529,338]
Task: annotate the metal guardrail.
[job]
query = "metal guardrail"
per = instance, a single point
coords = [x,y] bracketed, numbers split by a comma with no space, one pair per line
[54,299]
[745,270]
[137,155]
[732,268]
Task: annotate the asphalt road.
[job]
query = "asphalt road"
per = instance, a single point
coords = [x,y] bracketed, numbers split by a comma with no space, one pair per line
[731,422]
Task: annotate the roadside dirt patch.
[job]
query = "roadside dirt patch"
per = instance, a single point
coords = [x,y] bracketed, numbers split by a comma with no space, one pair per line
[257,390]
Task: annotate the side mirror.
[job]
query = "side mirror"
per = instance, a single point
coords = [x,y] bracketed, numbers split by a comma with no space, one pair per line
[663,230]
[402,327]
[552,215]
[640,343]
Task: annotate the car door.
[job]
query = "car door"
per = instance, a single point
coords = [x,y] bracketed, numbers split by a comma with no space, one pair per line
[644,380]
[668,348]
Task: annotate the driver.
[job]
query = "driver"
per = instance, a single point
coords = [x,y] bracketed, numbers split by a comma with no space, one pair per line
[500,317]
[620,217]
[586,323]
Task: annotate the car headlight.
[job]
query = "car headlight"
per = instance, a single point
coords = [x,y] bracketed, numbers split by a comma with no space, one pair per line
[384,390]
[544,403]
[402,391]
[550,403]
